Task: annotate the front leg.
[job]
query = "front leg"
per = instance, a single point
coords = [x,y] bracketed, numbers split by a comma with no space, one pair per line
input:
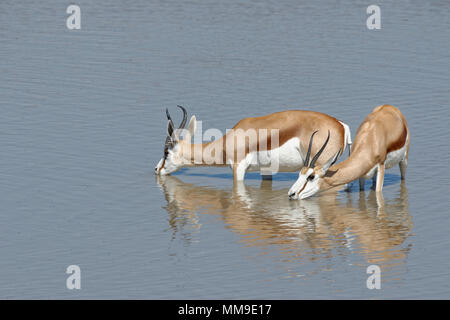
[362,181]
[380,177]
[239,170]
[347,186]
[380,204]
[266,174]
[374,180]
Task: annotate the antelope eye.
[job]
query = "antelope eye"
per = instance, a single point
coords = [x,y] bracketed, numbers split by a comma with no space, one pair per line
[311,177]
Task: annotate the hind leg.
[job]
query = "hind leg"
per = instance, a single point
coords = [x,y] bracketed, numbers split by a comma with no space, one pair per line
[374,180]
[403,164]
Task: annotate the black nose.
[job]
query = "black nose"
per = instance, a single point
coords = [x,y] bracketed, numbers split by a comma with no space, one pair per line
[292,195]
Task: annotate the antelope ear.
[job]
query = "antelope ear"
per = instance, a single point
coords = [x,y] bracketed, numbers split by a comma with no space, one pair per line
[192,126]
[331,161]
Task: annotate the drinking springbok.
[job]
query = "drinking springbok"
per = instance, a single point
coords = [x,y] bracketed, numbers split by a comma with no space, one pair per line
[381,142]
[269,144]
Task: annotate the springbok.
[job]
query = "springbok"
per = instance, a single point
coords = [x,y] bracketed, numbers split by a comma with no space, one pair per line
[269,144]
[381,142]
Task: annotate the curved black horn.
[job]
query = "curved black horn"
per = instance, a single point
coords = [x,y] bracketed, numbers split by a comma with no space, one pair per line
[308,154]
[170,127]
[168,115]
[313,161]
[183,122]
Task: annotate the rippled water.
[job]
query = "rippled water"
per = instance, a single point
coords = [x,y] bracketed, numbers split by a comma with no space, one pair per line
[82,126]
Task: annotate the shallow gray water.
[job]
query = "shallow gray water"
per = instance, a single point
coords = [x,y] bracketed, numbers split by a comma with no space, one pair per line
[82,126]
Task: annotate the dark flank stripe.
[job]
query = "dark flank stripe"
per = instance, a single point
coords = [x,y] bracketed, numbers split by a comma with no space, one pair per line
[400,141]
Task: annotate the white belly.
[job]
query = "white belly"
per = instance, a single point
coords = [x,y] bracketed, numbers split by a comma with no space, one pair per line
[286,158]
[392,159]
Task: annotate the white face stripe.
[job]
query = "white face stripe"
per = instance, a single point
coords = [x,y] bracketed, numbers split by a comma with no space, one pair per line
[170,163]
[311,189]
[305,181]
[301,184]
[308,173]
[159,166]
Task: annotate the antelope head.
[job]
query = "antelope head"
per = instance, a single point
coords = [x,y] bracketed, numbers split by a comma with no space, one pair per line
[174,148]
[310,178]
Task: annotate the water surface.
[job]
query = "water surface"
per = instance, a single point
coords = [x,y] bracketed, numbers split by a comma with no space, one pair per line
[82,126]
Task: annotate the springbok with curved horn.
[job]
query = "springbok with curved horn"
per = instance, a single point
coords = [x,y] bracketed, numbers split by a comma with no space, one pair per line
[280,137]
[381,142]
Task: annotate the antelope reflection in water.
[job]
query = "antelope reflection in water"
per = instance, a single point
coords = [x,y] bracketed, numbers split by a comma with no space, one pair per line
[264,217]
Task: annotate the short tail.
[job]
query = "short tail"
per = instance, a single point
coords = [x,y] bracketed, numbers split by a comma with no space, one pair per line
[347,136]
